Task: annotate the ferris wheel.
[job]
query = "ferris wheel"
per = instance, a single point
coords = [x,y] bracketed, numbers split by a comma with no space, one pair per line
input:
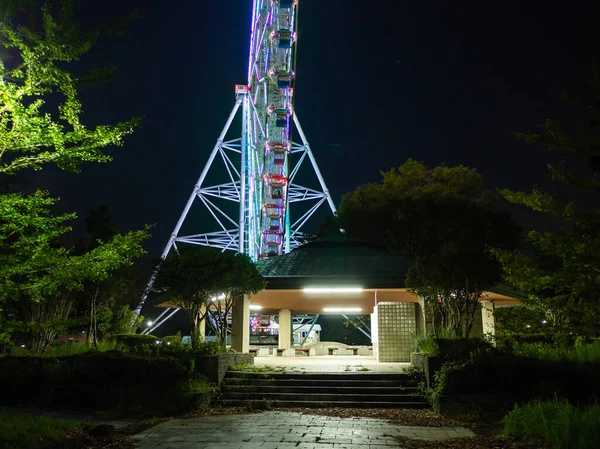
[260,166]
[268,230]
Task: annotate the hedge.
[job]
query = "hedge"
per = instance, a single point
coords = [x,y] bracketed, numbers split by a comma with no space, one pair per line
[521,379]
[93,381]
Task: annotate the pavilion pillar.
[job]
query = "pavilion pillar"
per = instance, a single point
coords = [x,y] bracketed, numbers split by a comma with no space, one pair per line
[488,321]
[240,325]
[285,329]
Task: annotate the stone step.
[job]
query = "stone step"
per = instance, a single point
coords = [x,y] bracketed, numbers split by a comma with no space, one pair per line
[320,376]
[321,390]
[321,397]
[324,404]
[316,383]
[317,389]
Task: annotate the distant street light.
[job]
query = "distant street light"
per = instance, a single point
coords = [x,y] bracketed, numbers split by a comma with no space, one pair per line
[149,323]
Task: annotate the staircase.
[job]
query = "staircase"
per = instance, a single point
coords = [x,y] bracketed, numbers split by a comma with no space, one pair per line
[321,390]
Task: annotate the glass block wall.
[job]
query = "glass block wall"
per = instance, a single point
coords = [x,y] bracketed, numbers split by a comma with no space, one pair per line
[393,330]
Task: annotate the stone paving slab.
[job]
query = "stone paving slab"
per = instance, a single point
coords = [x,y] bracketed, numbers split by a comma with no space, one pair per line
[282,430]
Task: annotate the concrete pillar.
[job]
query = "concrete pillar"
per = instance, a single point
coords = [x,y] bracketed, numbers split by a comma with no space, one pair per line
[487,319]
[375,333]
[240,325]
[285,329]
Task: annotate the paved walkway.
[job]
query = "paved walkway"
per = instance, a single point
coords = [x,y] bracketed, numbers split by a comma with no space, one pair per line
[331,364]
[283,430]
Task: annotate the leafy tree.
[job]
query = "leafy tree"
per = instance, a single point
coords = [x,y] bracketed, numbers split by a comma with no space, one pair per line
[239,277]
[40,123]
[561,269]
[206,282]
[33,77]
[42,300]
[444,219]
[104,303]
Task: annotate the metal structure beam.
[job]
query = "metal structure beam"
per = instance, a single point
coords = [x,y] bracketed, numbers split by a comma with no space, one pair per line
[258,166]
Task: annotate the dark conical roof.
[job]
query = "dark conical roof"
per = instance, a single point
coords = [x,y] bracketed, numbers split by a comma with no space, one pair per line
[335,260]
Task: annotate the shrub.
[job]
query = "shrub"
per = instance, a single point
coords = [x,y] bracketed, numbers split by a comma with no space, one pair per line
[451,348]
[557,423]
[66,349]
[520,379]
[175,342]
[581,352]
[92,381]
[461,348]
[428,345]
[132,341]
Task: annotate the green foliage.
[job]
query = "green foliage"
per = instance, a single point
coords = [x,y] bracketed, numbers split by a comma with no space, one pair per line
[110,380]
[452,348]
[510,378]
[30,136]
[250,368]
[175,342]
[427,345]
[63,350]
[578,353]
[556,423]
[561,275]
[444,219]
[131,341]
[204,280]
[41,124]
[28,431]
[37,277]
[211,348]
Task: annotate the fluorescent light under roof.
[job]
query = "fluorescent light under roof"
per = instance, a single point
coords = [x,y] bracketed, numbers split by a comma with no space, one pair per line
[255,307]
[342,309]
[333,290]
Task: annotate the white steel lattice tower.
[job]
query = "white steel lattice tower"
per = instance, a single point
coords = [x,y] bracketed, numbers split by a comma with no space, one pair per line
[263,182]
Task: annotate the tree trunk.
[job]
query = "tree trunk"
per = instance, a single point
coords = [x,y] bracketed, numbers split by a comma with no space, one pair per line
[92,332]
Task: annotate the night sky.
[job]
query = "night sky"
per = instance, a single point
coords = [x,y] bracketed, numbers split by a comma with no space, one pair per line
[377,83]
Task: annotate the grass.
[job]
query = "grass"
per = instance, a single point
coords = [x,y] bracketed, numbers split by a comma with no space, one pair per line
[200,385]
[66,349]
[24,431]
[248,368]
[556,423]
[580,353]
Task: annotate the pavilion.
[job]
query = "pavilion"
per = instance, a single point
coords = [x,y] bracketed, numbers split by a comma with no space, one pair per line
[339,275]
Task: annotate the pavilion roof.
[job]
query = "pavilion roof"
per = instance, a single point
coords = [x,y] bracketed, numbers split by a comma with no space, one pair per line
[335,261]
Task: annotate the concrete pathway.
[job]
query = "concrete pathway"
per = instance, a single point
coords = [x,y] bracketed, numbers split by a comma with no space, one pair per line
[331,364]
[283,430]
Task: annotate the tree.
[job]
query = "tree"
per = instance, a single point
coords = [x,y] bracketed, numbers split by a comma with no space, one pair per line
[42,299]
[561,269]
[101,300]
[239,277]
[444,219]
[34,77]
[206,282]
[40,124]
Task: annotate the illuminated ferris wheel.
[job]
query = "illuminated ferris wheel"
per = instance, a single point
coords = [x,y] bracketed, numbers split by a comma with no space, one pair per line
[267,230]
[261,165]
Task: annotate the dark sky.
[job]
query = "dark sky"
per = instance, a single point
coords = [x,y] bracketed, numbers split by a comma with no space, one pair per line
[377,83]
